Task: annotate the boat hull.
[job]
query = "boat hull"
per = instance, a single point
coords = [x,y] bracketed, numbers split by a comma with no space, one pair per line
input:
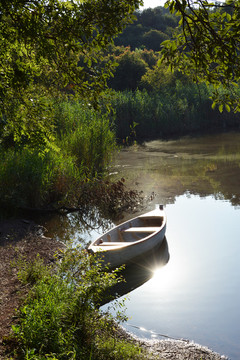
[118,257]
[131,239]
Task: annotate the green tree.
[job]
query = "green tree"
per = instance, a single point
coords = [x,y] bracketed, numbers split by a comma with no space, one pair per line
[131,68]
[207,46]
[158,79]
[153,39]
[131,36]
[158,19]
[149,56]
[41,43]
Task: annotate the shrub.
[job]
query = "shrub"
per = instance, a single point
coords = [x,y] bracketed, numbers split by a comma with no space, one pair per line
[61,318]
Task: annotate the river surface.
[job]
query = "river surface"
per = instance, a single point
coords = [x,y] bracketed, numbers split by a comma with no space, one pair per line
[195,292]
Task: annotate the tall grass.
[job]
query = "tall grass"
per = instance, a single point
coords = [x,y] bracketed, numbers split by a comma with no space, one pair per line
[83,150]
[28,179]
[181,110]
[86,135]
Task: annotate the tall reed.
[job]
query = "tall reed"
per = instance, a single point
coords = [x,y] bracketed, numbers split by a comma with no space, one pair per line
[28,179]
[83,150]
[180,110]
[86,135]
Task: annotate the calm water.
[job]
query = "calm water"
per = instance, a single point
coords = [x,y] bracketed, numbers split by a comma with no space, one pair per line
[196,294]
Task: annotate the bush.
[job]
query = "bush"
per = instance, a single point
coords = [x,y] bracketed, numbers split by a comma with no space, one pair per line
[131,68]
[61,318]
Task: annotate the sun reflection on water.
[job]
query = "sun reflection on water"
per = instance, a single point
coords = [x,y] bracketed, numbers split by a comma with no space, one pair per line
[168,277]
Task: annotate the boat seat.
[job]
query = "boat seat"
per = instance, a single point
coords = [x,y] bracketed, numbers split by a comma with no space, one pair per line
[111,243]
[105,246]
[143,229]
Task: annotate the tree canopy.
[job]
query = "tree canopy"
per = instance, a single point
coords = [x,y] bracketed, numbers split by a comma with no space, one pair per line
[207,46]
[41,44]
[131,67]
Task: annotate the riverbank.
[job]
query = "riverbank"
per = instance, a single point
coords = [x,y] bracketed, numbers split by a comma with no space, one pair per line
[23,238]
[18,239]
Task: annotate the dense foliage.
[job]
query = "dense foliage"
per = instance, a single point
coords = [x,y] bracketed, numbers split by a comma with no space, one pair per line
[52,51]
[152,26]
[199,38]
[207,46]
[46,46]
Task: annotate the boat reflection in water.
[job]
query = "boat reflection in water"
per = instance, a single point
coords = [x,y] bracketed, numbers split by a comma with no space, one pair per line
[137,273]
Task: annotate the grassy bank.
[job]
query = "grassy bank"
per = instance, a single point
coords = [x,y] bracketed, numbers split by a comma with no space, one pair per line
[60,319]
[82,149]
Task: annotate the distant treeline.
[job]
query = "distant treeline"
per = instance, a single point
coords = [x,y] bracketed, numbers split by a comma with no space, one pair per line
[148,100]
[152,26]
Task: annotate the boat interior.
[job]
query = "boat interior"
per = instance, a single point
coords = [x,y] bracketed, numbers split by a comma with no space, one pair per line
[131,231]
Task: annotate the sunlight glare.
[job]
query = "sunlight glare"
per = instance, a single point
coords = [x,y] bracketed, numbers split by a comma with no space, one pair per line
[168,277]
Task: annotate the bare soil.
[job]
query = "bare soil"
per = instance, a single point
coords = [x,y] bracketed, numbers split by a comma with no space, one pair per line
[24,238]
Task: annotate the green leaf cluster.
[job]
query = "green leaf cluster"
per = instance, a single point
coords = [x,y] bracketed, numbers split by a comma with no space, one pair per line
[41,44]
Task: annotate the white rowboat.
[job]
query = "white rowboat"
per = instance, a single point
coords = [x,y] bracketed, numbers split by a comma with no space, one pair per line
[131,239]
